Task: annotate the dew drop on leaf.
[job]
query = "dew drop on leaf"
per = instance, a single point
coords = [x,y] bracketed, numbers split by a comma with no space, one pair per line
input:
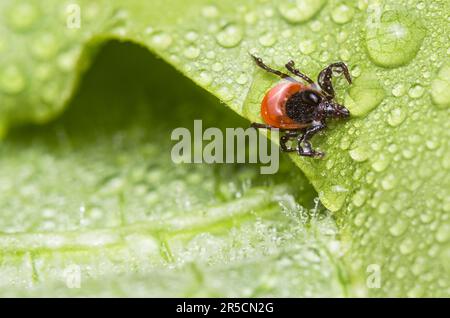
[204,78]
[407,246]
[210,12]
[440,87]
[359,219]
[359,198]
[394,38]
[416,91]
[12,81]
[383,208]
[398,90]
[45,46]
[341,37]
[359,154]
[355,71]
[225,94]
[161,40]
[362,4]
[307,47]
[442,233]
[396,117]
[398,228]
[242,79]
[191,36]
[217,67]
[297,11]
[230,36]
[67,60]
[365,94]
[381,163]
[388,182]
[267,40]
[342,14]
[251,18]
[344,55]
[191,52]
[22,16]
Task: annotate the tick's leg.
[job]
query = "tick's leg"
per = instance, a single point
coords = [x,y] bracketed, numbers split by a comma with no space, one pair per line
[260,126]
[291,68]
[307,150]
[261,64]
[326,74]
[285,138]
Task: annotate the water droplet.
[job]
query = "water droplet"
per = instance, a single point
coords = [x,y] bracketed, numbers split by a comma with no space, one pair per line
[341,37]
[359,153]
[191,36]
[161,40]
[43,72]
[407,246]
[416,292]
[22,16]
[45,46]
[286,34]
[297,11]
[432,143]
[396,117]
[345,143]
[416,91]
[401,272]
[242,79]
[251,18]
[324,56]
[420,5]
[359,219]
[329,164]
[381,163]
[440,87]
[316,26]
[383,208]
[342,14]
[419,266]
[225,94]
[344,54]
[355,71]
[68,60]
[359,198]
[12,80]
[210,12]
[365,94]
[230,36]
[307,47]
[398,228]
[394,39]
[267,40]
[204,78]
[398,90]
[388,182]
[442,233]
[192,52]
[363,4]
[217,67]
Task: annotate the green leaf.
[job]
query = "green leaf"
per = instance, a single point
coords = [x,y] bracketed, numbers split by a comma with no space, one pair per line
[96,194]
[385,175]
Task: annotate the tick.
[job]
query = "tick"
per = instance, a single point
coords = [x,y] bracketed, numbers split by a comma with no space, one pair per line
[301,110]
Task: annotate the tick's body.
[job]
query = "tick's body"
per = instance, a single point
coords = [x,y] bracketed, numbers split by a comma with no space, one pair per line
[274,105]
[301,110]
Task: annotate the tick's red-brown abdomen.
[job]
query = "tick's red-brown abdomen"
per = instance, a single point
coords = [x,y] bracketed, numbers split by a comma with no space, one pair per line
[273,106]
